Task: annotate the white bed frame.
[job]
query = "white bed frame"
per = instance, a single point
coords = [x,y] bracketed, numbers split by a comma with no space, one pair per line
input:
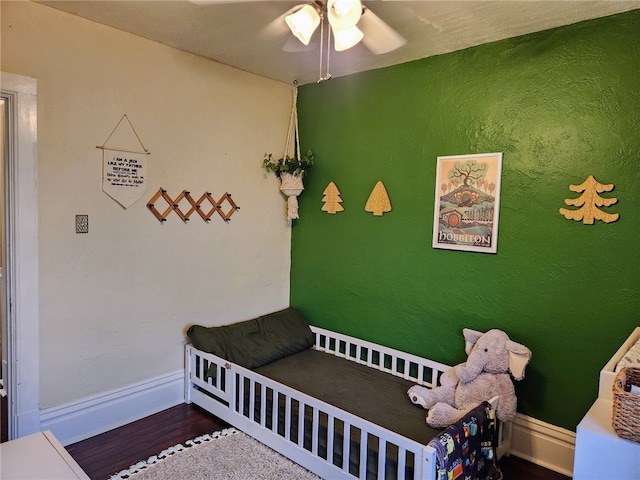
[218,395]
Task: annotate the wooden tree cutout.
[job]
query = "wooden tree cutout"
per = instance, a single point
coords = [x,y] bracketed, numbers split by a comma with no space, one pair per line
[331,199]
[378,202]
[589,202]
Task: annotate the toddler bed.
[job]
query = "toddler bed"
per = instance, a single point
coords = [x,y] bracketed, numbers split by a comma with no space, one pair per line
[332,403]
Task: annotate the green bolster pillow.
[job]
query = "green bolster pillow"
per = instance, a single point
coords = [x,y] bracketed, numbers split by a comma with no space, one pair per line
[255,342]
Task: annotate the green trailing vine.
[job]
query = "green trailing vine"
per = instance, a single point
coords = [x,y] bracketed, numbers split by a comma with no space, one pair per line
[289,164]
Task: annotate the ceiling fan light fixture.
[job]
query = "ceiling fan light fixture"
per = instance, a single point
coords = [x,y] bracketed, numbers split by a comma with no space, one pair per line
[343,14]
[303,23]
[346,38]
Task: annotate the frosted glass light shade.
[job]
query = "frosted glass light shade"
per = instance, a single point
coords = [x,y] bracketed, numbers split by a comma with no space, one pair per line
[303,23]
[346,38]
[343,14]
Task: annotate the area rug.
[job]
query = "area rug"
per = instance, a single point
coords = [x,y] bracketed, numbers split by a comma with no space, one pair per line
[225,455]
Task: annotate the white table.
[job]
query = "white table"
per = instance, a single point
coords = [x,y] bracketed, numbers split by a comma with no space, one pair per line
[600,454]
[38,457]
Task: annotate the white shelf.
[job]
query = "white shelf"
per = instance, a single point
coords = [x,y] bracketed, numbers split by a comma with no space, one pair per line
[39,456]
[600,454]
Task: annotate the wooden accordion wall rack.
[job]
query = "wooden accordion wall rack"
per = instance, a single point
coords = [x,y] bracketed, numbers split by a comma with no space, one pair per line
[173,205]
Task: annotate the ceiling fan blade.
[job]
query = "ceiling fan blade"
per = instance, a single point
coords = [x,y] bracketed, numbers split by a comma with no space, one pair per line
[378,36]
[277,26]
[210,2]
[293,45]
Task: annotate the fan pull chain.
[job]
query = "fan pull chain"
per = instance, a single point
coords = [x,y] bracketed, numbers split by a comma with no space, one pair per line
[327,76]
[321,45]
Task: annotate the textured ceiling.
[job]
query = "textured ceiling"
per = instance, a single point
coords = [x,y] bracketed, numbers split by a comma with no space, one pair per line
[252,36]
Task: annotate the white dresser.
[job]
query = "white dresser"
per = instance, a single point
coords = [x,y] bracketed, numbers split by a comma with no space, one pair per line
[39,456]
[600,454]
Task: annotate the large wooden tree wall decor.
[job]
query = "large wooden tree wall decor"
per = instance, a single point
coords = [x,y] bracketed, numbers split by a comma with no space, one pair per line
[589,202]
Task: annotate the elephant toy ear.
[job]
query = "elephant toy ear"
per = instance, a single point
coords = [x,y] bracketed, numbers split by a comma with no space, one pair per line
[519,357]
[470,338]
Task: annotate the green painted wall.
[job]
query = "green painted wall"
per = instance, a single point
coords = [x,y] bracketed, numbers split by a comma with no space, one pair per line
[561,105]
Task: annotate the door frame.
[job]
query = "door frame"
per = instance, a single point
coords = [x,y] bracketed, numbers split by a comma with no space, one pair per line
[20,262]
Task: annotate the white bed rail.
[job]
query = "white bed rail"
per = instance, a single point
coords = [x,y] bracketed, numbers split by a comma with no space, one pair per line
[271,414]
[395,362]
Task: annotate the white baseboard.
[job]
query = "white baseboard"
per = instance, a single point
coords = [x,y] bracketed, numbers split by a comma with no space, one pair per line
[531,439]
[543,444]
[92,416]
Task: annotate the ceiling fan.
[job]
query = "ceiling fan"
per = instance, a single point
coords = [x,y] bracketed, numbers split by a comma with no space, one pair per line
[350,21]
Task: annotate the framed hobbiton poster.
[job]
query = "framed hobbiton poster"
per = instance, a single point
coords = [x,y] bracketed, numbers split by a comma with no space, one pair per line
[467,202]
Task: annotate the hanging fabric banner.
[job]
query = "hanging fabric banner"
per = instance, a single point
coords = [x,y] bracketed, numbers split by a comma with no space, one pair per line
[124,169]
[124,176]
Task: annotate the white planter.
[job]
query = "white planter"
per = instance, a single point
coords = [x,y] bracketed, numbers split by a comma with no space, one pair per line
[292,186]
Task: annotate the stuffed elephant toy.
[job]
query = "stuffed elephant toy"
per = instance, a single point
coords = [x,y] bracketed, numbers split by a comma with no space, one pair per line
[492,357]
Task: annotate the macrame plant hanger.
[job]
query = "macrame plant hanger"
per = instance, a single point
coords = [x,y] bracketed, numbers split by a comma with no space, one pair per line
[291,185]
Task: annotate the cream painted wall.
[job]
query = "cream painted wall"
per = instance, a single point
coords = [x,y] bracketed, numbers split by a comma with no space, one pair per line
[2,156]
[114,303]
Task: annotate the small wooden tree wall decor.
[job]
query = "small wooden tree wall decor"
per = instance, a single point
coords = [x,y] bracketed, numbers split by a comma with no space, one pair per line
[331,199]
[589,202]
[378,202]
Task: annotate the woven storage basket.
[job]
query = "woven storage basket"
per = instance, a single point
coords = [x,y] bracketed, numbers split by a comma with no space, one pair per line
[626,405]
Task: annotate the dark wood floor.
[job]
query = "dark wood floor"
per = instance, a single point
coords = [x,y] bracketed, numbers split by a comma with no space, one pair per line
[103,455]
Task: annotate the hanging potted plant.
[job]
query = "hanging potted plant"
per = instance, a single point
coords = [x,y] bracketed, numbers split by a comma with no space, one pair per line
[290,170]
[289,165]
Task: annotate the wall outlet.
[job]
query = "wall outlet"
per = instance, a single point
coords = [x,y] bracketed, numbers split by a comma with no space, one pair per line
[82,223]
